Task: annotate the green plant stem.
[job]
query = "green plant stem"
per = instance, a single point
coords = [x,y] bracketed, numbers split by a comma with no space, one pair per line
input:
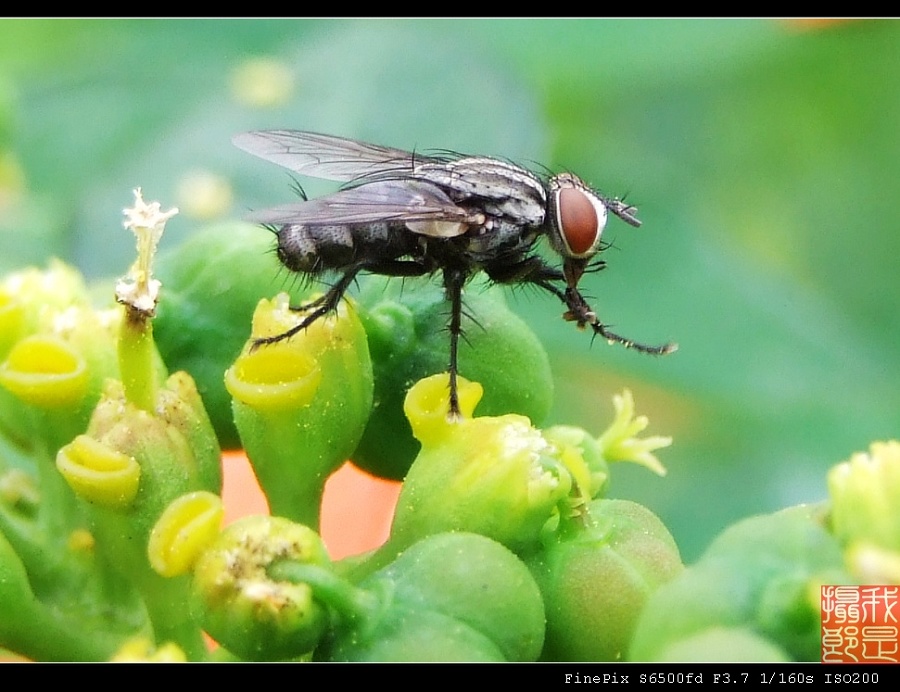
[350,601]
[172,621]
[136,359]
[41,542]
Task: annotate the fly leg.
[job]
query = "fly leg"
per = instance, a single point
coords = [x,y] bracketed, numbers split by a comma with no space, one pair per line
[321,306]
[535,271]
[329,301]
[453,283]
[531,270]
[581,313]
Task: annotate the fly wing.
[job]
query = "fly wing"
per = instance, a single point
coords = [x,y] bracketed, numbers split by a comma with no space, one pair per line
[328,157]
[424,208]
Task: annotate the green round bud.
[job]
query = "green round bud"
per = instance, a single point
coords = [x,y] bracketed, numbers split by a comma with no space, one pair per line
[598,575]
[246,611]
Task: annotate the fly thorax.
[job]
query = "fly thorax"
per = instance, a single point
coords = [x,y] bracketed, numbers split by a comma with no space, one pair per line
[498,235]
[495,187]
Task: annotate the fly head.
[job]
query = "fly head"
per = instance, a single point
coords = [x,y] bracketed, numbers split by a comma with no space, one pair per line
[576,217]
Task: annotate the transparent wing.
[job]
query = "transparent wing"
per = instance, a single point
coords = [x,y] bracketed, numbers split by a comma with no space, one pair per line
[328,157]
[425,208]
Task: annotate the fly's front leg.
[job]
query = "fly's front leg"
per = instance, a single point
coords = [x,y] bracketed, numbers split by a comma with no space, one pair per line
[529,269]
[582,314]
[535,271]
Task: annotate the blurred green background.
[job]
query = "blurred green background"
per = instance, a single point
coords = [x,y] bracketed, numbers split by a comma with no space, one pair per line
[764,157]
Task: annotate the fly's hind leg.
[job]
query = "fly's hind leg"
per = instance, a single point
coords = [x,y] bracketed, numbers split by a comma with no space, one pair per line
[319,307]
[329,301]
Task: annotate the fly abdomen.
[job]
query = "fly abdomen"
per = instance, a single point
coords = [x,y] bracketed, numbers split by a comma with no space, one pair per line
[312,249]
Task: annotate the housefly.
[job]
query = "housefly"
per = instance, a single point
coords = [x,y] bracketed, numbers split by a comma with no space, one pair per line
[406,214]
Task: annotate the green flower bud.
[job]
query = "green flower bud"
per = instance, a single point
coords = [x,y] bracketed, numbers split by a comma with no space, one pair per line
[762,574]
[596,575]
[31,300]
[733,644]
[174,451]
[301,404]
[865,497]
[55,356]
[449,597]
[245,610]
[496,476]
[411,634]
[142,650]
[213,283]
[58,374]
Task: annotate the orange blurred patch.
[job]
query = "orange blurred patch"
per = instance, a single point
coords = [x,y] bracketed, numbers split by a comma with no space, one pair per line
[357,508]
[814,23]
[241,493]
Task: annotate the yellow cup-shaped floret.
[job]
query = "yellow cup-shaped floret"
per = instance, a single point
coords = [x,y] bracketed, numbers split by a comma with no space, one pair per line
[183,532]
[98,473]
[274,377]
[46,372]
[428,402]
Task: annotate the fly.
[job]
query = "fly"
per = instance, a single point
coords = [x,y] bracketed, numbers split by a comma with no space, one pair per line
[405,214]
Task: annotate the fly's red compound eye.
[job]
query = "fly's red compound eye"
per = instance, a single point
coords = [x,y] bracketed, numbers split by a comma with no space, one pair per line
[580,220]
